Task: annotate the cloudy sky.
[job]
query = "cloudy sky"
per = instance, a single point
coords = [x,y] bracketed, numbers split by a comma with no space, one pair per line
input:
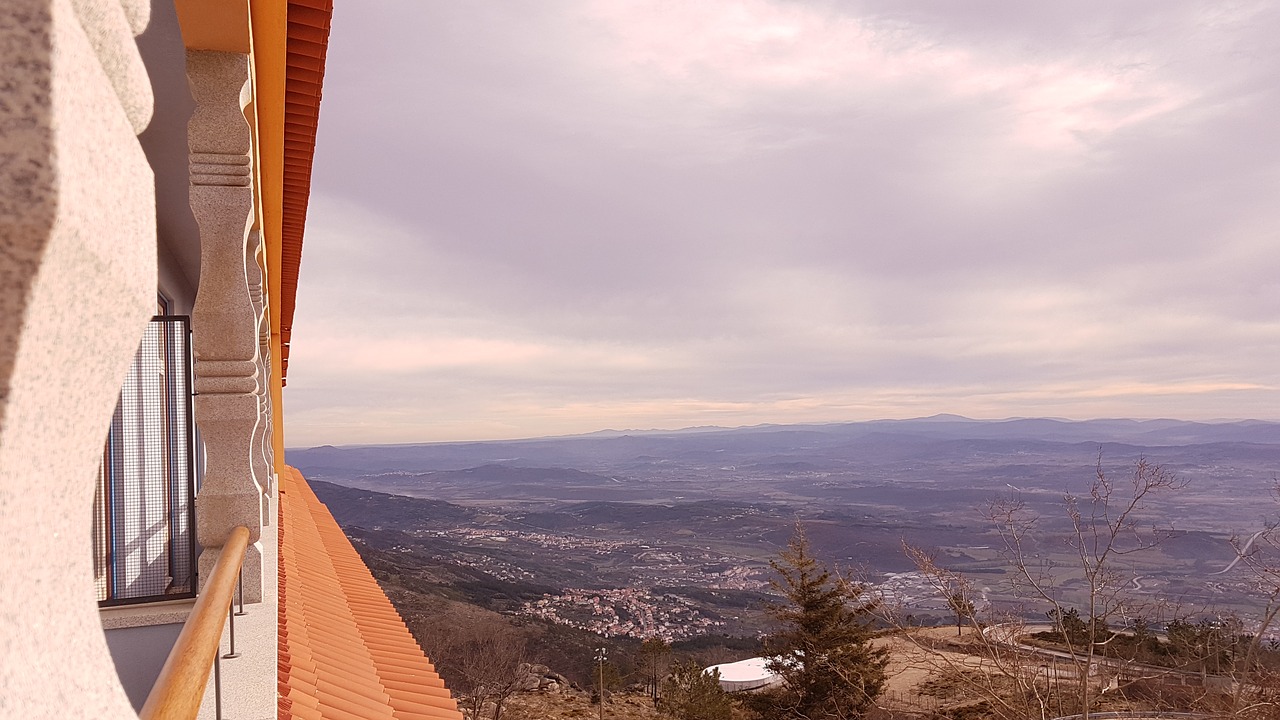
[544,218]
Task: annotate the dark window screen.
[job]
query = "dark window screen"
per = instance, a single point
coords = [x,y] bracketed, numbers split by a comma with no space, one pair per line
[143,511]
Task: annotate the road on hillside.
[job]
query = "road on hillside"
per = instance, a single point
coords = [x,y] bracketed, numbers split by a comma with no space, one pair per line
[1007,634]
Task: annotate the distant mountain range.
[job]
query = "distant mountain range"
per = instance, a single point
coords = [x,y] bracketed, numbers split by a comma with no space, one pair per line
[782,443]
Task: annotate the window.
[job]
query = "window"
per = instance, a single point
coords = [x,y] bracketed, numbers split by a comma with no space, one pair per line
[143,510]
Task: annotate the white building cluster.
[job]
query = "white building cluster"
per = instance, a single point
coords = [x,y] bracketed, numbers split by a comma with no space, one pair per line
[626,612]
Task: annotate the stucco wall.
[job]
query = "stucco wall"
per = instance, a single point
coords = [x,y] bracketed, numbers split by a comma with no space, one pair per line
[77,285]
[139,653]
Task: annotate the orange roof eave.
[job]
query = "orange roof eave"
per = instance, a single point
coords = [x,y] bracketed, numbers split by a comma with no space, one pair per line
[306,46]
[344,651]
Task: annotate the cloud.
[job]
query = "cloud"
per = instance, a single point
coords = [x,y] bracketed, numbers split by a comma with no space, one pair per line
[563,216]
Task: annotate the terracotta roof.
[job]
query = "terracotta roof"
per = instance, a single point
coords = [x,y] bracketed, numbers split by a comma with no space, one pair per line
[308,43]
[344,651]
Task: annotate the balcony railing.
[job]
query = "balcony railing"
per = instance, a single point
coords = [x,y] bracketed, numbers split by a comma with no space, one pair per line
[180,687]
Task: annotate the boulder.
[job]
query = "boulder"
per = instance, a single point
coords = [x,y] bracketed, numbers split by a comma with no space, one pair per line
[529,683]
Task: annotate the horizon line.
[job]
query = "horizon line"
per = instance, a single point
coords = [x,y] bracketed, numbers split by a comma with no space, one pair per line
[943,417]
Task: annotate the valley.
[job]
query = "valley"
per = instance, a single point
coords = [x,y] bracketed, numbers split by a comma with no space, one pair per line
[670,534]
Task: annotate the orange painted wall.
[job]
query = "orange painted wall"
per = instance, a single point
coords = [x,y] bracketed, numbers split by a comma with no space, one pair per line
[270,50]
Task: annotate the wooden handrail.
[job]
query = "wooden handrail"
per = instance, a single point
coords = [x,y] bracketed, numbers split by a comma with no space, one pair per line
[180,687]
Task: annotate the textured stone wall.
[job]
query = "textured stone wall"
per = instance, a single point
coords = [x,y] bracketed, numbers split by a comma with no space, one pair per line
[77,285]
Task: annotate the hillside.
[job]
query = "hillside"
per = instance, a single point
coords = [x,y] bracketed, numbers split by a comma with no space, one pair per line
[571,544]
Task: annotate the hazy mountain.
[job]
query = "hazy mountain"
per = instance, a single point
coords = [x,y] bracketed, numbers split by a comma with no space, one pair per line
[775,443]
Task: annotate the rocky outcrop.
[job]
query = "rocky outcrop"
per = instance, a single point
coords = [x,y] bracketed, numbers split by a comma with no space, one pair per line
[540,678]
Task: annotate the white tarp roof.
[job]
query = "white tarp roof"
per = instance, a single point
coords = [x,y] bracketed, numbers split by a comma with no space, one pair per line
[745,674]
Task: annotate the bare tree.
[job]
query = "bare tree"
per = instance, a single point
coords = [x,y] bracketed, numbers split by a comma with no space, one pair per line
[1105,526]
[961,607]
[1256,666]
[485,664]
[985,667]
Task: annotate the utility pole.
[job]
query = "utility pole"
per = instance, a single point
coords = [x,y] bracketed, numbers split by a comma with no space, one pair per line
[600,655]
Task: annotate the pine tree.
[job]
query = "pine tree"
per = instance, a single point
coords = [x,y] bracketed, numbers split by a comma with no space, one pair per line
[822,649]
[691,694]
[655,657]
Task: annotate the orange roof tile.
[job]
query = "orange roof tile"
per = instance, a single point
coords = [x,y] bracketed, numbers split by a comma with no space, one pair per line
[307,46]
[345,653]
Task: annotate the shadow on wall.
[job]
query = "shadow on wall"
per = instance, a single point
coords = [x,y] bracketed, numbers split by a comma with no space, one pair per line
[139,653]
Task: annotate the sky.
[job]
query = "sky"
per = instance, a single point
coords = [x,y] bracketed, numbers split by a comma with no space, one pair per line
[533,219]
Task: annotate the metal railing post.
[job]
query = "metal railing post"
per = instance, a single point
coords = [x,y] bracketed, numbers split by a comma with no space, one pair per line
[217,685]
[231,622]
[240,590]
